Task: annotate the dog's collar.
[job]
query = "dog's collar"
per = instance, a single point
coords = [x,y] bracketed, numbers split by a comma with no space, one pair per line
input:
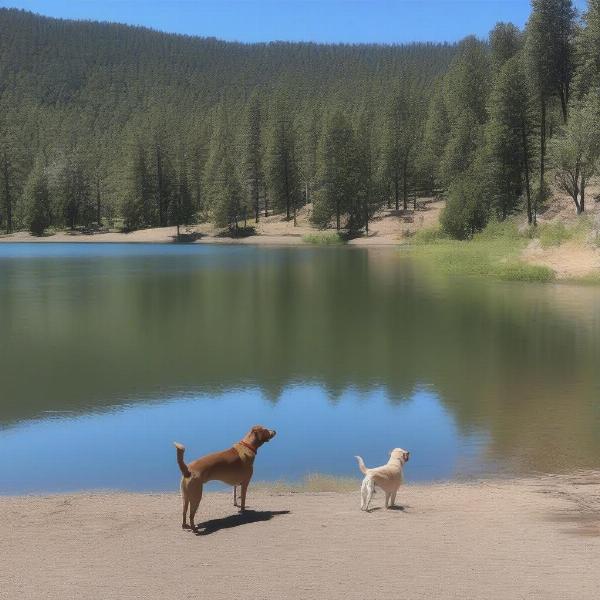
[246,445]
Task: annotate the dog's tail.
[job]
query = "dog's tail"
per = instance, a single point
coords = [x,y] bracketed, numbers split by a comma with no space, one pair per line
[361,464]
[182,466]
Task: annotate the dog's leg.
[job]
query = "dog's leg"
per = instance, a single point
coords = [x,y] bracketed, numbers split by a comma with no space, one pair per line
[194,504]
[393,502]
[244,489]
[370,490]
[363,494]
[235,495]
[186,503]
[387,499]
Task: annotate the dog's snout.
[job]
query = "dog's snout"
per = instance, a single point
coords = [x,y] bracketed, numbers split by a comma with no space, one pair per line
[273,433]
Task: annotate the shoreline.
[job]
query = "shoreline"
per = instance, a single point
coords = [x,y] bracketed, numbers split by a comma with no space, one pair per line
[514,538]
[387,228]
[572,260]
[167,235]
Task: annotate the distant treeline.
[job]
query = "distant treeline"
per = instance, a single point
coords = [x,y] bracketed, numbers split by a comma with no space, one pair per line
[103,124]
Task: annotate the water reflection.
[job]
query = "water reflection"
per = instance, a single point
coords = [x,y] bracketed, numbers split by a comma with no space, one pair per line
[130,447]
[93,327]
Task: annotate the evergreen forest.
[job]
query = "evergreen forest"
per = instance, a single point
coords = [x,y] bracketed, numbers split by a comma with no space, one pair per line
[105,125]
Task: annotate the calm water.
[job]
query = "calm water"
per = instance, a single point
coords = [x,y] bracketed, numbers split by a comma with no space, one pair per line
[108,353]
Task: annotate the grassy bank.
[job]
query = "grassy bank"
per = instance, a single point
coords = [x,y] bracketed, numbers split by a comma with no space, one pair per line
[495,252]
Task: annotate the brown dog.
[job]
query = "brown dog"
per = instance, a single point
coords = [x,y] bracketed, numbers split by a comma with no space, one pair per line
[233,466]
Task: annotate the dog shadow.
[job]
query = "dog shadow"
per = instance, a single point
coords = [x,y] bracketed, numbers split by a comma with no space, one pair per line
[245,518]
[396,507]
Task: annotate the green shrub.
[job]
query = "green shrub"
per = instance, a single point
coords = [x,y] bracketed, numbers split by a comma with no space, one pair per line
[465,212]
[499,230]
[553,234]
[520,271]
[323,239]
[429,235]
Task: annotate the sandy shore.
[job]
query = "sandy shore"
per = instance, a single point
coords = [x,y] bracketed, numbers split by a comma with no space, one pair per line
[537,538]
[389,227]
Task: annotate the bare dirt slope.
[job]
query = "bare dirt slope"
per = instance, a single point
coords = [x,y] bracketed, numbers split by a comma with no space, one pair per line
[574,258]
[513,539]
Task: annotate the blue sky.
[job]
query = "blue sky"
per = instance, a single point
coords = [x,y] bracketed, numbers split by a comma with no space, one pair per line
[382,21]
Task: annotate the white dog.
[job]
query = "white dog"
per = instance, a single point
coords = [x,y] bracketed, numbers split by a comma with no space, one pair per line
[387,477]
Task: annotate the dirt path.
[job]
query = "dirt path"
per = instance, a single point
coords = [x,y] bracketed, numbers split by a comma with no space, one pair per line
[521,539]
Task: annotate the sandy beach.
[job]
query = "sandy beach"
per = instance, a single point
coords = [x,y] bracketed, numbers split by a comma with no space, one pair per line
[534,538]
[388,228]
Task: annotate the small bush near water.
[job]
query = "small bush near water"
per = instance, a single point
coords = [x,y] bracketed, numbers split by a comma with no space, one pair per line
[323,239]
[553,234]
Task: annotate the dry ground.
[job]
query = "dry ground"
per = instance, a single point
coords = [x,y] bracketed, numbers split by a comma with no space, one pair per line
[537,538]
[576,258]
[389,227]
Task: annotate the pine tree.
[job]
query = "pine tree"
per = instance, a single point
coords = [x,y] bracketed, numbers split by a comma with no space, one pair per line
[550,59]
[464,166]
[181,209]
[505,42]
[253,156]
[466,89]
[283,173]
[509,135]
[138,208]
[587,77]
[401,129]
[37,197]
[9,181]
[195,146]
[435,136]
[368,193]
[98,177]
[163,179]
[337,193]
[550,37]
[222,189]
[310,145]
[225,196]
[74,192]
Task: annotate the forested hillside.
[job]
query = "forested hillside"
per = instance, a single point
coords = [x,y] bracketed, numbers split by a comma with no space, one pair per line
[108,125]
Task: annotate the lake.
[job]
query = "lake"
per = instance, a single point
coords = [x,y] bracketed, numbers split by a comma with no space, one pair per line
[109,352]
